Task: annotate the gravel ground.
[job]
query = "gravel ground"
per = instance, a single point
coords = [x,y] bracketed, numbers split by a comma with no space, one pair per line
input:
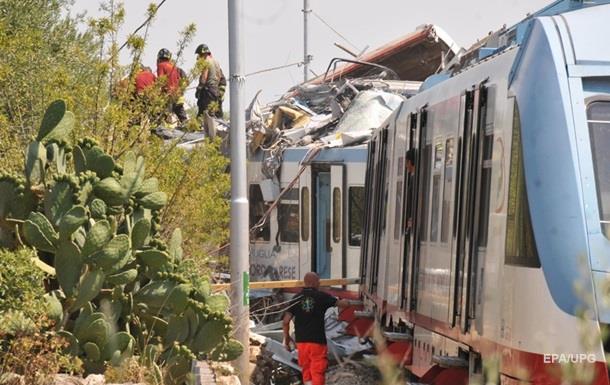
[352,373]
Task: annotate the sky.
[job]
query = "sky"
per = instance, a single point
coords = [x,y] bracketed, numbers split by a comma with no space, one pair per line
[273,30]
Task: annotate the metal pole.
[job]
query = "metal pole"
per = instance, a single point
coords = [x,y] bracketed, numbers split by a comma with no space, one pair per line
[306,57]
[240,278]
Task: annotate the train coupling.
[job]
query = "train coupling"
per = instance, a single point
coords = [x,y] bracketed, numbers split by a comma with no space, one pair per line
[450,361]
[364,314]
[396,336]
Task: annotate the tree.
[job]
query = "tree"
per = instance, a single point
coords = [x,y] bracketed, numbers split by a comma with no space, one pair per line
[44,56]
[50,53]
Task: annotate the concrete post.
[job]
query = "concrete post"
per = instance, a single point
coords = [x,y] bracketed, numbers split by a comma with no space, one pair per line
[239,260]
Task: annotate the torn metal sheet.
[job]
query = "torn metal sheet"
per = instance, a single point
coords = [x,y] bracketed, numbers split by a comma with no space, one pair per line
[368,110]
[414,56]
[281,355]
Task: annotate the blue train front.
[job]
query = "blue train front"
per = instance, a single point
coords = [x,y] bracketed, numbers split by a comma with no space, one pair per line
[491,260]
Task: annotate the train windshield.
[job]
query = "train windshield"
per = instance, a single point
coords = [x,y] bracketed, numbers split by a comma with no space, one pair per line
[598,118]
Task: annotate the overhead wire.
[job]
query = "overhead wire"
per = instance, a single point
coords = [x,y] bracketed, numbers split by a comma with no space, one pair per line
[148,19]
[298,64]
[335,30]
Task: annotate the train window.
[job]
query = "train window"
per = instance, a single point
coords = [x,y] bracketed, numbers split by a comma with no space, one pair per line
[337,215]
[436,190]
[400,171]
[447,189]
[288,216]
[356,215]
[438,157]
[520,242]
[258,208]
[424,199]
[485,189]
[398,209]
[598,117]
[486,129]
[305,214]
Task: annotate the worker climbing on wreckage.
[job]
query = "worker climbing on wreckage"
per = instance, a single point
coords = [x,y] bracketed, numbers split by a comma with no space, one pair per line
[308,309]
[212,84]
[173,77]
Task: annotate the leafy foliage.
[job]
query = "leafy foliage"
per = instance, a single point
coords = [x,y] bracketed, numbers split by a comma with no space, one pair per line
[119,287]
[21,284]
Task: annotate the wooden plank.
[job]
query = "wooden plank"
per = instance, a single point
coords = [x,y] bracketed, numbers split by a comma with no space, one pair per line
[289,284]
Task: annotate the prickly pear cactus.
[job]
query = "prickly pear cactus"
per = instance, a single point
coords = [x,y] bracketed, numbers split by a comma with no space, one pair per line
[96,224]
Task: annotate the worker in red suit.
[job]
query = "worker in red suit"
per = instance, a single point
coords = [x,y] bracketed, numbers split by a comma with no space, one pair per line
[307,310]
[144,79]
[172,75]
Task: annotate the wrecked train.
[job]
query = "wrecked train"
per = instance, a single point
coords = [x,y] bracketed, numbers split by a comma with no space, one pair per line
[490,261]
[308,155]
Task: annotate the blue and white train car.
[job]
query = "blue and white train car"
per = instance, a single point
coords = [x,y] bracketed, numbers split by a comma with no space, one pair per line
[317,223]
[492,260]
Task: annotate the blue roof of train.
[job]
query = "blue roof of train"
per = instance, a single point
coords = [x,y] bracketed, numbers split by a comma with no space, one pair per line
[506,37]
[356,154]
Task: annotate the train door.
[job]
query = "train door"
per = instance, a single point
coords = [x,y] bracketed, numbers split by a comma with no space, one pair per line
[366,240]
[337,256]
[408,210]
[321,250]
[326,241]
[472,210]
[305,260]
[375,211]
[417,200]
[380,211]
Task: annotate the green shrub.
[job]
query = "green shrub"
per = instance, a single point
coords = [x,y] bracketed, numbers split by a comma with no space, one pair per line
[21,283]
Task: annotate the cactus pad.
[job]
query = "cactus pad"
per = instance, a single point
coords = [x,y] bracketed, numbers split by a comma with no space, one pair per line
[123,277]
[98,208]
[139,233]
[89,287]
[114,255]
[175,246]
[35,161]
[92,351]
[71,221]
[154,201]
[68,265]
[53,115]
[99,234]
[35,237]
[110,191]
[149,186]
[59,199]
[228,351]
[154,259]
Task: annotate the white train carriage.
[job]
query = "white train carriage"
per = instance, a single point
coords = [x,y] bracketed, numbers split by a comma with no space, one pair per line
[488,255]
[317,224]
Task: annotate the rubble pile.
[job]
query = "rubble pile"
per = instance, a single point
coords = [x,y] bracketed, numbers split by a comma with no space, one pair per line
[334,114]
[268,370]
[352,373]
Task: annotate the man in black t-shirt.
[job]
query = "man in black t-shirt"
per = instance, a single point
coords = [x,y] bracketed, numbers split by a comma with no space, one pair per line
[308,309]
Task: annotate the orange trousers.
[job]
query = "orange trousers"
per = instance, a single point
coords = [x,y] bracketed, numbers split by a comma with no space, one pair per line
[313,361]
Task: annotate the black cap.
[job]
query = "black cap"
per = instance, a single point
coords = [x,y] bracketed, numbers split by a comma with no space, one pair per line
[202,49]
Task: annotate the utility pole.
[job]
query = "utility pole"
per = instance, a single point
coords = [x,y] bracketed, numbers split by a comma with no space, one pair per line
[306,56]
[240,278]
